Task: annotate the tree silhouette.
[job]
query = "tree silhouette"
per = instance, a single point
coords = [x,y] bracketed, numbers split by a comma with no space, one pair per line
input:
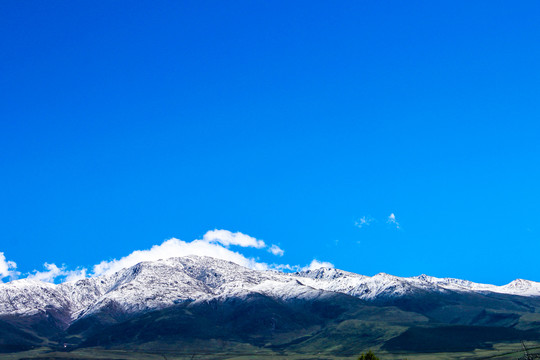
[368,356]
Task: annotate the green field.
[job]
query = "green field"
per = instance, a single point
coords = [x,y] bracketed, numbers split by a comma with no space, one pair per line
[500,351]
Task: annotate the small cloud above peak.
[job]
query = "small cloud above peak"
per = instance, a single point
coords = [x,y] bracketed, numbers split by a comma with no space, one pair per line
[227,238]
[316,264]
[392,220]
[276,250]
[364,221]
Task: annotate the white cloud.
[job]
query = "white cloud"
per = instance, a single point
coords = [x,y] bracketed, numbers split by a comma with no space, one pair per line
[276,250]
[75,275]
[364,221]
[53,272]
[49,275]
[392,220]
[213,244]
[177,248]
[316,264]
[286,267]
[228,238]
[7,268]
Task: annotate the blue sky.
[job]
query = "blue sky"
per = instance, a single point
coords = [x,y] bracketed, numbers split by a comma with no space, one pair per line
[124,124]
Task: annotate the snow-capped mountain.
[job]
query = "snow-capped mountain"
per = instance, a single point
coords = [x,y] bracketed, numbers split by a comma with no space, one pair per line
[164,283]
[382,284]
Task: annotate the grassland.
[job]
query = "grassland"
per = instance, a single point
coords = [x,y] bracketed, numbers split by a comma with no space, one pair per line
[500,351]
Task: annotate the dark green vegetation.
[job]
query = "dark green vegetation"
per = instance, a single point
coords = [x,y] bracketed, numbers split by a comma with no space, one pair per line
[455,338]
[368,356]
[331,326]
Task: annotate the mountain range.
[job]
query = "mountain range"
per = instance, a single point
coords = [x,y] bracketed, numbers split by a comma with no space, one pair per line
[196,303]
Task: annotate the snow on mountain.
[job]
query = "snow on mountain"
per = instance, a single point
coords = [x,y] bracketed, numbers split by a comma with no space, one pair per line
[27,297]
[385,285]
[163,283]
[360,286]
[520,287]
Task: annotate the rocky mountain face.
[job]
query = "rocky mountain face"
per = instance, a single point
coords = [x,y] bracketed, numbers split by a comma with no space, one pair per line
[180,299]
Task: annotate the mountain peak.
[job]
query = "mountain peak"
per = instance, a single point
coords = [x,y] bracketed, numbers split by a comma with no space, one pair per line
[158,284]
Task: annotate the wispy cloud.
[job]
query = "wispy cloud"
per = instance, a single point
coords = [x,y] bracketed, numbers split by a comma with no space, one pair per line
[392,220]
[53,272]
[364,221]
[276,250]
[286,267]
[7,268]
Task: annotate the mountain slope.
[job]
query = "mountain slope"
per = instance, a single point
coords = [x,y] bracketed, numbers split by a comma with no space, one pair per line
[193,301]
[155,285]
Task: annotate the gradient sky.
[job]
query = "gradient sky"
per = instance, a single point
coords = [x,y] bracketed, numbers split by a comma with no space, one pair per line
[126,123]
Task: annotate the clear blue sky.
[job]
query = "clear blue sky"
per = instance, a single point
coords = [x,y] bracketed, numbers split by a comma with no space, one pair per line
[124,123]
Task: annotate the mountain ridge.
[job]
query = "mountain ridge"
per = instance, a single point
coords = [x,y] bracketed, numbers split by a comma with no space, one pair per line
[157,284]
[196,302]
